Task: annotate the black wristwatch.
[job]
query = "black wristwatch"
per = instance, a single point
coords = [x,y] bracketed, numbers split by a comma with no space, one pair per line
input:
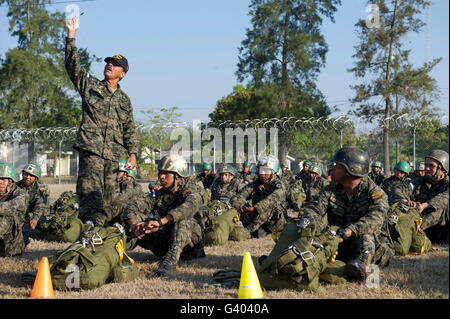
[158,220]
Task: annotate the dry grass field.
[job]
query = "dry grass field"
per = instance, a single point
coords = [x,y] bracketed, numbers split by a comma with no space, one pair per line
[408,277]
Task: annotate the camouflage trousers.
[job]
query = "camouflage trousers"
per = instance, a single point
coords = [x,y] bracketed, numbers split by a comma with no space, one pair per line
[272,221]
[435,222]
[11,237]
[187,234]
[96,186]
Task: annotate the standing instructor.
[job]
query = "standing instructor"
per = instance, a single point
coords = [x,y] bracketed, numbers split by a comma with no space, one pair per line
[107,129]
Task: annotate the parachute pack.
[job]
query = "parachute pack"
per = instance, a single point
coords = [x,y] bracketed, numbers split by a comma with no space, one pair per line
[222,224]
[405,232]
[95,258]
[302,257]
[63,224]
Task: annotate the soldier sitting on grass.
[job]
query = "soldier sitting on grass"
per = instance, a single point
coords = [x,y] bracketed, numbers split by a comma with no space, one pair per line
[13,207]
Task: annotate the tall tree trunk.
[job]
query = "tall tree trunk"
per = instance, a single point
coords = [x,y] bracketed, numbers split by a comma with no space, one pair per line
[387,98]
[282,137]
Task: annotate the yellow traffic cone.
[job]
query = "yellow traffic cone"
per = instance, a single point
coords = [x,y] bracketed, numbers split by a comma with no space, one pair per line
[43,287]
[249,287]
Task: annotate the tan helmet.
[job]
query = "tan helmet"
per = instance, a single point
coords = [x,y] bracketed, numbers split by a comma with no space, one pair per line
[175,164]
[439,156]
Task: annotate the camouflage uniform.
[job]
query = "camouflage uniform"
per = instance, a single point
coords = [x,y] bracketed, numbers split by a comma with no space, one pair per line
[434,194]
[378,179]
[303,176]
[314,186]
[394,186]
[107,129]
[38,207]
[247,178]
[129,191]
[364,214]
[13,208]
[269,202]
[220,218]
[184,203]
[206,180]
[224,191]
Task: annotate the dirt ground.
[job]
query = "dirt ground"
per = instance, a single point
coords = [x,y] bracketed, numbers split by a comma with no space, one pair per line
[407,277]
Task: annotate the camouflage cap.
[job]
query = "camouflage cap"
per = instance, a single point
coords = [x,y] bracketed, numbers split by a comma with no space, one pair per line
[175,164]
[377,164]
[33,169]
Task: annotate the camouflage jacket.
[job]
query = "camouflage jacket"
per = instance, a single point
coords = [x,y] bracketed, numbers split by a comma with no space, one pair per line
[314,186]
[206,180]
[303,176]
[14,204]
[269,202]
[224,192]
[288,177]
[397,189]
[38,204]
[247,178]
[129,192]
[364,213]
[107,124]
[436,195]
[378,179]
[183,201]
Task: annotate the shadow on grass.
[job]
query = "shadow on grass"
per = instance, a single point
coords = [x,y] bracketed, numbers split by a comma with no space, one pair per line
[426,275]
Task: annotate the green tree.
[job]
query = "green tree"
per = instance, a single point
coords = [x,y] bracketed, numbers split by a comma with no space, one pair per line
[35,90]
[282,55]
[383,62]
[154,135]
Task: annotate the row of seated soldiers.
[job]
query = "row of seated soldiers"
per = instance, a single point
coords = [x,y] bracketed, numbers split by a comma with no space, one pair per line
[181,214]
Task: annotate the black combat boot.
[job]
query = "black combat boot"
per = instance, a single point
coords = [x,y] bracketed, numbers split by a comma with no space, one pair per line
[168,262]
[357,269]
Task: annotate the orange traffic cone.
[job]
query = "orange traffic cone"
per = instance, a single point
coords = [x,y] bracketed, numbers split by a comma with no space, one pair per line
[43,287]
[249,287]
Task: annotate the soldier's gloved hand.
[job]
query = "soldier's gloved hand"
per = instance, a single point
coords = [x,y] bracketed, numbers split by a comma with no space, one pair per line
[304,222]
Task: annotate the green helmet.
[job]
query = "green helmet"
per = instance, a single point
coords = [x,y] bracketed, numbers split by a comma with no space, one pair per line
[175,164]
[308,162]
[7,171]
[314,168]
[247,164]
[132,172]
[206,167]
[439,156]
[227,169]
[122,164]
[355,160]
[377,164]
[33,169]
[269,161]
[403,166]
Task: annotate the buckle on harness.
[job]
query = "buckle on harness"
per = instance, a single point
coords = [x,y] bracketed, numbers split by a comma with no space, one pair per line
[305,255]
[394,217]
[309,255]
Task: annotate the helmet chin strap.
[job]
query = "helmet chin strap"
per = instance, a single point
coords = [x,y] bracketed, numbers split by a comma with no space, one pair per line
[436,177]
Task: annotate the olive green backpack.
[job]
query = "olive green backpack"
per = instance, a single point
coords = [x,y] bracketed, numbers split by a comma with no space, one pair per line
[300,257]
[63,224]
[405,232]
[92,260]
[220,224]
